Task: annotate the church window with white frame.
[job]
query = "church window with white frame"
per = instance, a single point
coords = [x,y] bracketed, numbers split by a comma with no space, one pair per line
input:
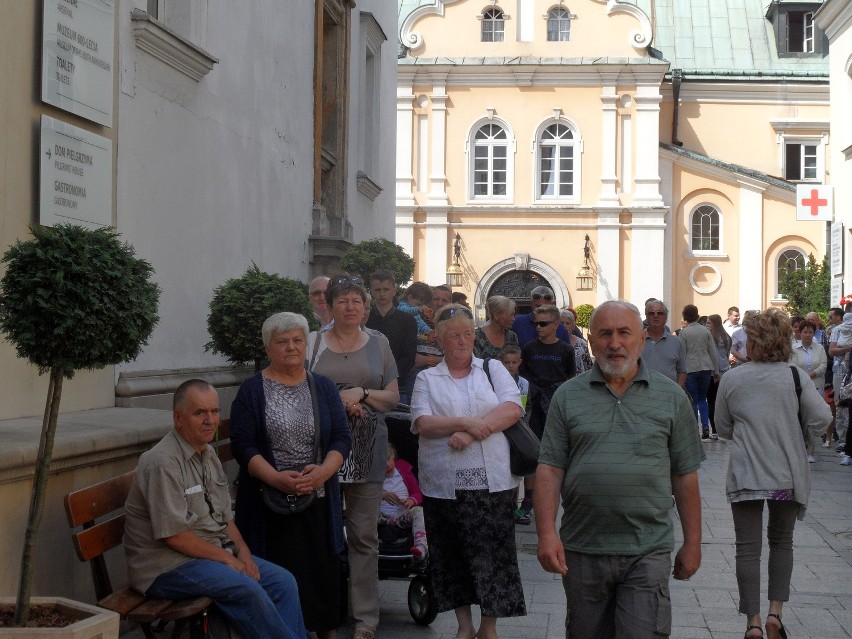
[705,229]
[557,163]
[802,160]
[493,25]
[490,147]
[789,261]
[558,25]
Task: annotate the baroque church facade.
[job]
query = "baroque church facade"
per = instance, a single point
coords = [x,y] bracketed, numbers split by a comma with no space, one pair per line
[662,140]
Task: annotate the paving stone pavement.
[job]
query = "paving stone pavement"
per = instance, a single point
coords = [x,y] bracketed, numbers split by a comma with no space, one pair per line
[704,607]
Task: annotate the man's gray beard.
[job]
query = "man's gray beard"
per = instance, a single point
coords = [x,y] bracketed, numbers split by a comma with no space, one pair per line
[615,370]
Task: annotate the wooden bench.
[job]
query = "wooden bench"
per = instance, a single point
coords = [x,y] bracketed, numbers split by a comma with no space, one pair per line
[99,510]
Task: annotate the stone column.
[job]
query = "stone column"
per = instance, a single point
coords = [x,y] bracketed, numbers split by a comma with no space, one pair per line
[608,195]
[750,252]
[647,179]
[438,176]
[607,254]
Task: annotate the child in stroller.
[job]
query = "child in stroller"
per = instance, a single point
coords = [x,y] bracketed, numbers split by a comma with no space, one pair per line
[401,503]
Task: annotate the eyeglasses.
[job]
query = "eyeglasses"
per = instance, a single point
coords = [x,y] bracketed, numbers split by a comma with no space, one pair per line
[663,313]
[545,297]
[543,324]
[451,312]
[349,279]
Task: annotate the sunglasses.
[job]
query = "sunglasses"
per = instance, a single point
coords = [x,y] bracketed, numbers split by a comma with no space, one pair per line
[545,297]
[655,313]
[543,324]
[451,312]
[349,279]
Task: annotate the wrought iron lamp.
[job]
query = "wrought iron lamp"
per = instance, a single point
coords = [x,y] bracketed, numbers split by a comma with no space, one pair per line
[455,273]
[585,277]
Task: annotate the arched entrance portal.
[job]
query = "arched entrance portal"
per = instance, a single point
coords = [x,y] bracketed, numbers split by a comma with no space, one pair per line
[515,277]
[517,285]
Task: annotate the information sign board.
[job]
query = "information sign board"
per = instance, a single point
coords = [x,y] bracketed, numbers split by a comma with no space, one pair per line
[77,57]
[76,176]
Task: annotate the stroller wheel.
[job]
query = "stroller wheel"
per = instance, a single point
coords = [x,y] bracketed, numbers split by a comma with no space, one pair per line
[421,603]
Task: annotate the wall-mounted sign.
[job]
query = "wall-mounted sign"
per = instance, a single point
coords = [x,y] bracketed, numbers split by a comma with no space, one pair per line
[836,249]
[836,290]
[76,176]
[77,57]
[814,202]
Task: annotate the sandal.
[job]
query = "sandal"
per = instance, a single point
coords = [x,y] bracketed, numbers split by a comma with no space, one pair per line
[782,632]
[753,628]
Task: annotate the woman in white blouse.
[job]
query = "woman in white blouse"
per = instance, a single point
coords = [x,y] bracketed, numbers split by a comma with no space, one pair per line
[810,357]
[469,491]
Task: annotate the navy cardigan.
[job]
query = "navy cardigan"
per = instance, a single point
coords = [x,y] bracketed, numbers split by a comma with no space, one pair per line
[249,438]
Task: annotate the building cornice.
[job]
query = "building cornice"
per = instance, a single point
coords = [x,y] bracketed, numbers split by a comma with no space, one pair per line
[555,72]
[834,17]
[752,93]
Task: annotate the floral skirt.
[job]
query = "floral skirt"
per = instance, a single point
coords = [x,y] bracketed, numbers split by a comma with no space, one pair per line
[472,555]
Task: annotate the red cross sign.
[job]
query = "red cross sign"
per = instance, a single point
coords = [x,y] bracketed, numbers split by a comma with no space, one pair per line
[814,202]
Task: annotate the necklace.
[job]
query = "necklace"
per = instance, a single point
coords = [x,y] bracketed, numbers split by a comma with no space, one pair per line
[351,346]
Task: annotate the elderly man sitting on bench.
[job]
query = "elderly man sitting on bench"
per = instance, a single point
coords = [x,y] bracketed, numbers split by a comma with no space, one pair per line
[180,538]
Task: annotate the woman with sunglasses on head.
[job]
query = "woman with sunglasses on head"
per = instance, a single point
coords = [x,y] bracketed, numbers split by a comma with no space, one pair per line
[363,367]
[468,489]
[490,339]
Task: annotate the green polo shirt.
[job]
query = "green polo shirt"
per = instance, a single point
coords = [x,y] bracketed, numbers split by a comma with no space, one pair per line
[618,454]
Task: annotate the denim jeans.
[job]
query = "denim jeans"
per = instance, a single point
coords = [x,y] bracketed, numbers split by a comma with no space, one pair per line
[266,609]
[697,384]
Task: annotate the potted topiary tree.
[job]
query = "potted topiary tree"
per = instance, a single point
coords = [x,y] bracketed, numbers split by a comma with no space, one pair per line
[584,315]
[71,298]
[241,305]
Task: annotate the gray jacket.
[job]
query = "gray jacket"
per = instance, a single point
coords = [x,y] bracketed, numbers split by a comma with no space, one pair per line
[756,408]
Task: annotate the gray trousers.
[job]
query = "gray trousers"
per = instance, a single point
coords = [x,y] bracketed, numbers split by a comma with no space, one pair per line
[618,596]
[748,528]
[362,537]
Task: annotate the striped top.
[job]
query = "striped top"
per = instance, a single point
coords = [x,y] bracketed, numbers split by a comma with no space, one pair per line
[618,454]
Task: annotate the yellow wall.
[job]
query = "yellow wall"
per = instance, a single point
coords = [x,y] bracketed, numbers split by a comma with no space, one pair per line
[22,391]
[458,32]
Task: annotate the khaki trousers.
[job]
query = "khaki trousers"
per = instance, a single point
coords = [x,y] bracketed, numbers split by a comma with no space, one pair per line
[362,536]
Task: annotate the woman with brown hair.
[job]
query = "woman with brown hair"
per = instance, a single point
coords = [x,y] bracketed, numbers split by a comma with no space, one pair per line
[758,409]
[363,367]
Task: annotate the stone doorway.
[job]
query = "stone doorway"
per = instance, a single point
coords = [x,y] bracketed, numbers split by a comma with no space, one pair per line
[517,285]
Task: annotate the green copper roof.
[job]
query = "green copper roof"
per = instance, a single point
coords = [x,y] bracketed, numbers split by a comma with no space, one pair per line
[710,39]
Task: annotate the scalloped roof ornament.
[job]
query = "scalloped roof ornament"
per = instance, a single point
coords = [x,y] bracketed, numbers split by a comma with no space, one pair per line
[640,39]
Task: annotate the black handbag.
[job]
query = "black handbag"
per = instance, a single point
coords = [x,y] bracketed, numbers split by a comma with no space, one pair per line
[523,443]
[284,503]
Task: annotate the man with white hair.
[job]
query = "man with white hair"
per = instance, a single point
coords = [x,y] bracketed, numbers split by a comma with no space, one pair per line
[316,291]
[618,443]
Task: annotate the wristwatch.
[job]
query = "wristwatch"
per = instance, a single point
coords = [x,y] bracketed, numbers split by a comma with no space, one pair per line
[366,395]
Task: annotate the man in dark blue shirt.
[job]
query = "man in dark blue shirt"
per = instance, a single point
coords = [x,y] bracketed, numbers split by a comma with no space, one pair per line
[523,325]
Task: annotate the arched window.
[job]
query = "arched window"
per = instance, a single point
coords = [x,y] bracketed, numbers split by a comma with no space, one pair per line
[789,261]
[558,164]
[493,25]
[490,162]
[705,229]
[558,25]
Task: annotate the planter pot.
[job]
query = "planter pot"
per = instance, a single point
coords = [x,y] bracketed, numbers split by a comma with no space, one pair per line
[93,622]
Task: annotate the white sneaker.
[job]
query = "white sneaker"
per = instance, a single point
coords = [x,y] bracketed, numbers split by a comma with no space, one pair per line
[811,459]
[846,460]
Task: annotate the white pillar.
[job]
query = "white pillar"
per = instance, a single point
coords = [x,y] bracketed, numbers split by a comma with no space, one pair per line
[405,228]
[526,20]
[647,179]
[404,135]
[750,250]
[666,188]
[608,195]
[438,176]
[647,248]
[436,253]
[608,255]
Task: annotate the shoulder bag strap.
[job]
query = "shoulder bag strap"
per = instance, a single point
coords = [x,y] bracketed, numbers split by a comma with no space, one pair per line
[798,385]
[314,354]
[313,386]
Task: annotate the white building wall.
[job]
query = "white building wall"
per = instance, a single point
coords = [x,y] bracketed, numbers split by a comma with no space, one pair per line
[216,174]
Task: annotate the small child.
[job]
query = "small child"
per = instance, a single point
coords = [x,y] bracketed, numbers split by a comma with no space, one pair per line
[402,502]
[510,355]
[416,302]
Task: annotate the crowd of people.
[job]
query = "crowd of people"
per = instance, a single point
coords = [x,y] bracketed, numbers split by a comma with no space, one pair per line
[620,412]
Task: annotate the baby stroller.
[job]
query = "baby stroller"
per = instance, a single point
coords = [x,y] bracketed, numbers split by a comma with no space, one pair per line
[395,558]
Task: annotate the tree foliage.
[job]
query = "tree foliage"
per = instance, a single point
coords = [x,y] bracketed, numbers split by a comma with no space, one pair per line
[369,256]
[71,298]
[74,298]
[241,305]
[584,315]
[807,289]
